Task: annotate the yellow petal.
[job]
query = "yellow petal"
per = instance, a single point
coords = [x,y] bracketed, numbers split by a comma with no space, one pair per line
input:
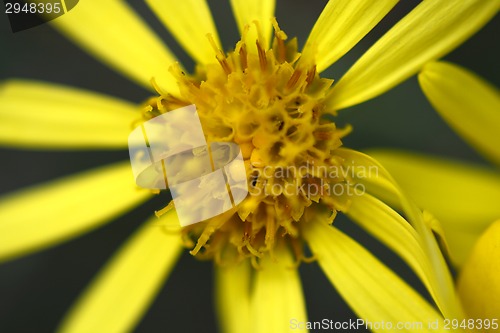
[341,25]
[437,229]
[122,292]
[478,283]
[232,285]
[428,32]
[470,105]
[189,21]
[111,31]
[380,183]
[277,299]
[394,231]
[51,213]
[42,115]
[372,290]
[463,197]
[248,11]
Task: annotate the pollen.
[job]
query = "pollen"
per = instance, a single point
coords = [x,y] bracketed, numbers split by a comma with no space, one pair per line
[271,103]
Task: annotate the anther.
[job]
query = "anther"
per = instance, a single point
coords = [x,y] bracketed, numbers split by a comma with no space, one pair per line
[262,56]
[294,79]
[243,56]
[219,55]
[310,75]
[280,38]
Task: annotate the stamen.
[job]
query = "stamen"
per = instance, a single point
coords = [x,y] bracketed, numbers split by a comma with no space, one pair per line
[280,37]
[204,238]
[311,75]
[219,55]
[157,87]
[293,79]
[225,65]
[262,56]
[243,56]
[165,209]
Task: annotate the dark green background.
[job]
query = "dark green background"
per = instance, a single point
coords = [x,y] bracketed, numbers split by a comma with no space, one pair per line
[36,290]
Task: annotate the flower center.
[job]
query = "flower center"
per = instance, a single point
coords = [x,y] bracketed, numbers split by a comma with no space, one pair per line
[271,103]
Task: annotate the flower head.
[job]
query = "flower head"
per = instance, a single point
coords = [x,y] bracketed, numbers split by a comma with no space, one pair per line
[272,103]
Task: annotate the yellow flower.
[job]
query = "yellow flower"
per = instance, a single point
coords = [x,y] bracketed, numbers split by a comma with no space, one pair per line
[269,99]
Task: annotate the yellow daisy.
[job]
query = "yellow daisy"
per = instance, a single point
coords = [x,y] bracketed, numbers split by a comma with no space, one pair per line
[270,100]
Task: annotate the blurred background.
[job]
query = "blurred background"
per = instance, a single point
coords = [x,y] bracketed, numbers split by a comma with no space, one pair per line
[36,290]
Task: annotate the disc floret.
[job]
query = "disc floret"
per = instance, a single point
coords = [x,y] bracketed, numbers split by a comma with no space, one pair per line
[271,103]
